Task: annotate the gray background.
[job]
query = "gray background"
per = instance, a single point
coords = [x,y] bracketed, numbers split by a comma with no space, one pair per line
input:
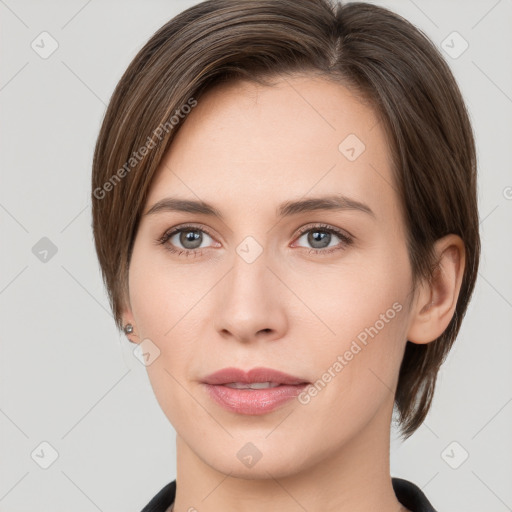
[69,379]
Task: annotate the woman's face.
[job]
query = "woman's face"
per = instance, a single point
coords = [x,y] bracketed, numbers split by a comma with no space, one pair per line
[320,294]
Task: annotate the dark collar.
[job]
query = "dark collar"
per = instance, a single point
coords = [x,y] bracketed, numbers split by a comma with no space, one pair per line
[407,493]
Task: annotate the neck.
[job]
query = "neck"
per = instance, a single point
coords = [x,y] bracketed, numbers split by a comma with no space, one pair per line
[354,478]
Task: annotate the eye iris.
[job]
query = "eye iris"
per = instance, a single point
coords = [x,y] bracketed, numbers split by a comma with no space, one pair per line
[321,236]
[190,236]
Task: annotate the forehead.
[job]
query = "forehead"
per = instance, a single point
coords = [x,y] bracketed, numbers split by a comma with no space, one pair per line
[302,135]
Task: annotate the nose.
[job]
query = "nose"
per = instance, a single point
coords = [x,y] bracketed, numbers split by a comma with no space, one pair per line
[251,300]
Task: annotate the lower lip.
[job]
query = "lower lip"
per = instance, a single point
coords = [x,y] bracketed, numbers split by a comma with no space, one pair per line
[253,401]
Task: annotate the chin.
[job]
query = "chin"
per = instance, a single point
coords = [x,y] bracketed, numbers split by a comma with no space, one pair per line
[258,459]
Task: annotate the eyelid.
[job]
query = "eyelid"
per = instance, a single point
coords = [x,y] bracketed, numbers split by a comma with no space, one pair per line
[182,227]
[342,233]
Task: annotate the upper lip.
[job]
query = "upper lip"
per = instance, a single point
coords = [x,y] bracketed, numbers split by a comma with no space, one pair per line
[260,374]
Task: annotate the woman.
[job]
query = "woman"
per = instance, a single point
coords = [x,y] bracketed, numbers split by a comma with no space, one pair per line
[285,214]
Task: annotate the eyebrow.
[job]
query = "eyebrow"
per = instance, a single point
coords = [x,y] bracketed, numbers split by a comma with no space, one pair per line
[286,209]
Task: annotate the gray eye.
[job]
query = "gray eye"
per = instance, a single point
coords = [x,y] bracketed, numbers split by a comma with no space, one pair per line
[318,238]
[189,238]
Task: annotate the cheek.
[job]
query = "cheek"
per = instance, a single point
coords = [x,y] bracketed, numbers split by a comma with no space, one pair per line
[367,307]
[161,298]
[357,294]
[164,292]
[167,301]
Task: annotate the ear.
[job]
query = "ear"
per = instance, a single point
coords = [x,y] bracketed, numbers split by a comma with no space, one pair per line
[436,300]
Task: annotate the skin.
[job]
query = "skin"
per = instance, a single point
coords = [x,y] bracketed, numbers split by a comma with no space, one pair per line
[246,149]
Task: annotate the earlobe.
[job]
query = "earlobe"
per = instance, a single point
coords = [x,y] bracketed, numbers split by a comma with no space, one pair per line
[437,299]
[129,328]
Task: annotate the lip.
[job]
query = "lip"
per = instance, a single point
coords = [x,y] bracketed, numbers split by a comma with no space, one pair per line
[260,374]
[252,401]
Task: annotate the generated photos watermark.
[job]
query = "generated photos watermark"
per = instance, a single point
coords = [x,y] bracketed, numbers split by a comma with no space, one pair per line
[357,345]
[137,156]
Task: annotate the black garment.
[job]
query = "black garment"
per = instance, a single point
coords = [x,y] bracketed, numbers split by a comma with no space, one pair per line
[407,493]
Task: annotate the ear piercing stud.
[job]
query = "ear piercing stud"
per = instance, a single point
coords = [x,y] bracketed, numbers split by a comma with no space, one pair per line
[128,329]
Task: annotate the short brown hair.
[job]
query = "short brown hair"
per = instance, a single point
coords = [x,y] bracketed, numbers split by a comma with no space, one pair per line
[361,45]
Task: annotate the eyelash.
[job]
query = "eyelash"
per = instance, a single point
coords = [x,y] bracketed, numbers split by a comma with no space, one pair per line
[346,240]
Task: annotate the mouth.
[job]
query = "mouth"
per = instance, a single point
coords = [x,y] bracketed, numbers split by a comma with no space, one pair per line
[257,391]
[253,385]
